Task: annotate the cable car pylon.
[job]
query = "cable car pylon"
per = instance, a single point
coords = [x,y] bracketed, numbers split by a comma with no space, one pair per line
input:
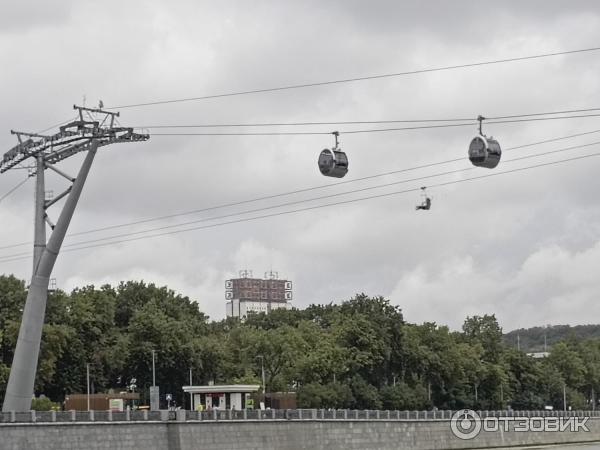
[81,135]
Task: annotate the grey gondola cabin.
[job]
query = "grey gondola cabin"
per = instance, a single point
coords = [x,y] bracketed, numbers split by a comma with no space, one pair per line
[333,163]
[484,152]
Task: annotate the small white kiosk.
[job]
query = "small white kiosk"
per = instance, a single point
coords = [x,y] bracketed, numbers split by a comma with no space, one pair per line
[223,397]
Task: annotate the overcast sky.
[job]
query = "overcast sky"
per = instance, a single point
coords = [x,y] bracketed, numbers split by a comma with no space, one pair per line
[524,246]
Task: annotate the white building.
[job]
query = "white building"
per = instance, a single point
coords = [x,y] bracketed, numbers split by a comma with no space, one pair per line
[538,355]
[232,396]
[241,308]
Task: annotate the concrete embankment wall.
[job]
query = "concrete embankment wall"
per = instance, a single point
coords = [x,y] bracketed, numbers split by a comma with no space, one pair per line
[271,435]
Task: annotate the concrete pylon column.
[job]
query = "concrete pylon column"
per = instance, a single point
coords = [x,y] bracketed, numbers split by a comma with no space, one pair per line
[39,237]
[19,390]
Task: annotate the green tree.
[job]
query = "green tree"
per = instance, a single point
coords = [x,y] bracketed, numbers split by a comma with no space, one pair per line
[402,396]
[524,389]
[366,396]
[485,330]
[568,363]
[319,358]
[12,301]
[330,395]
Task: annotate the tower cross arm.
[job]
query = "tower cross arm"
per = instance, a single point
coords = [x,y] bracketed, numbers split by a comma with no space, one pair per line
[72,138]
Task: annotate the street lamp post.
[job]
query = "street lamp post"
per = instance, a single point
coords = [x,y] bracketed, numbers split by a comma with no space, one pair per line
[262,369]
[87,367]
[154,390]
[153,370]
[191,395]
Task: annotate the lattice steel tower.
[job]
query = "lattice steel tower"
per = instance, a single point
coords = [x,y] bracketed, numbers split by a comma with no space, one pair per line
[92,129]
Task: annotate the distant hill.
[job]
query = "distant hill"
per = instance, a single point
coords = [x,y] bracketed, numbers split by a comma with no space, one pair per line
[532,339]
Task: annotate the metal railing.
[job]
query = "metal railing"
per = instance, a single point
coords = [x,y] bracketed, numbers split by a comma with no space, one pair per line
[261,415]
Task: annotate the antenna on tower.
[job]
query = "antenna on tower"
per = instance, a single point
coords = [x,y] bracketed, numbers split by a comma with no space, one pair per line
[270,275]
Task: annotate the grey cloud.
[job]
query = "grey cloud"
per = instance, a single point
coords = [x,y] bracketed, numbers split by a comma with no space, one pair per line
[27,15]
[485,230]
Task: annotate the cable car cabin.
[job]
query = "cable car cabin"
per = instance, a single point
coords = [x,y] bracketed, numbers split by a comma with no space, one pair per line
[333,163]
[484,152]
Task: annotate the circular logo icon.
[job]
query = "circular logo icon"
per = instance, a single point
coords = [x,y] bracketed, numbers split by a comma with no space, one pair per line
[465,424]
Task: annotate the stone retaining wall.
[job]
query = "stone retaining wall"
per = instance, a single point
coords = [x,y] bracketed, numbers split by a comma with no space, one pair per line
[271,435]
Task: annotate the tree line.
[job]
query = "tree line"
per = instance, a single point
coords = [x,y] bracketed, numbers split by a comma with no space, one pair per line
[537,339]
[359,354]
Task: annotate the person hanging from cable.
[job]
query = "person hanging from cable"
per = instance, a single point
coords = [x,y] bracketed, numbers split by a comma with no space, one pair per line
[426,203]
